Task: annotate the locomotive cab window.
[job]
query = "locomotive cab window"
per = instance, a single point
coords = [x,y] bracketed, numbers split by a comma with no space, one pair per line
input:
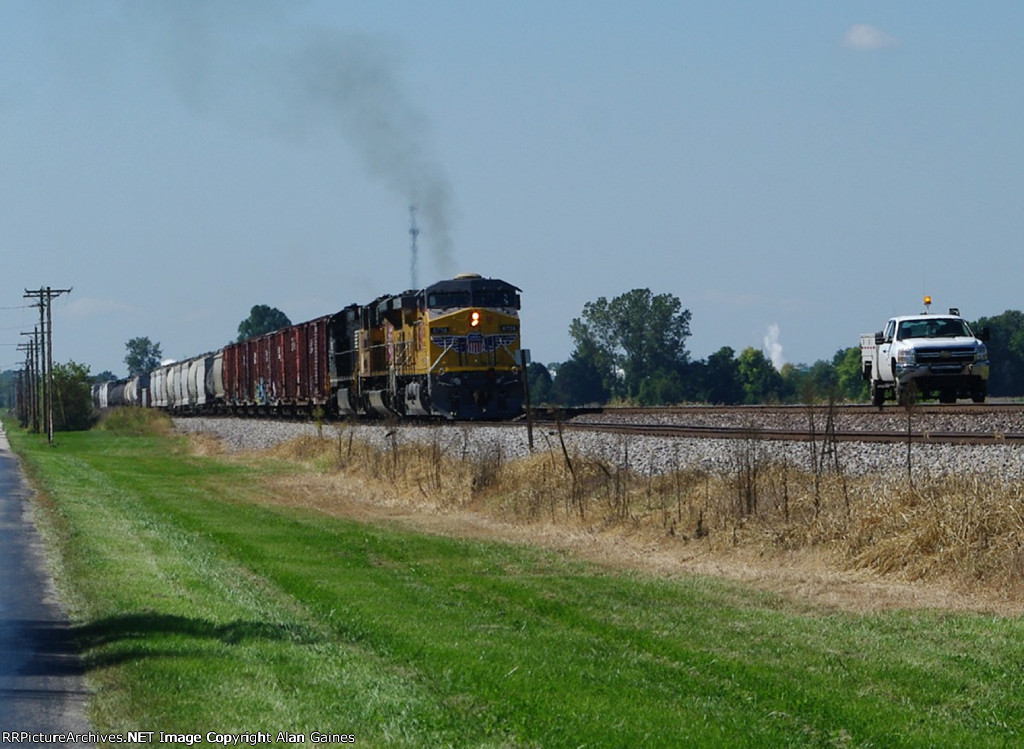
[442,299]
[496,299]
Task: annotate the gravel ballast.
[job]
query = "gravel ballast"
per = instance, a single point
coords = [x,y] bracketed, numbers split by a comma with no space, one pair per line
[645,455]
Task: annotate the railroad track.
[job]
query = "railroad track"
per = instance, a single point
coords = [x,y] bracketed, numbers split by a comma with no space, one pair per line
[975,424]
[858,435]
[858,409]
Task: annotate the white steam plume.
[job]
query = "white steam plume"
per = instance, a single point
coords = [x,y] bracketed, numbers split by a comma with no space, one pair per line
[772,347]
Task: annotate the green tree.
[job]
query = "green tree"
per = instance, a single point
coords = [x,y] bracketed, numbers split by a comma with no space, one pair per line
[797,383]
[143,356]
[761,381]
[638,334]
[579,383]
[849,375]
[840,377]
[72,397]
[262,319]
[598,356]
[1005,352]
[541,385]
[662,388]
[823,378]
[722,378]
[8,378]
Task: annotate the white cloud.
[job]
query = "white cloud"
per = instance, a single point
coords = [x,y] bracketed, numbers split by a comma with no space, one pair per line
[862,36]
[83,307]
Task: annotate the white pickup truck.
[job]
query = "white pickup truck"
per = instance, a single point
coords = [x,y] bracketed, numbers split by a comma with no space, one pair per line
[926,356]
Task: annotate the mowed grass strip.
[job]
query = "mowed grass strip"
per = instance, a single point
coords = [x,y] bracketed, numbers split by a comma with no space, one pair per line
[202,608]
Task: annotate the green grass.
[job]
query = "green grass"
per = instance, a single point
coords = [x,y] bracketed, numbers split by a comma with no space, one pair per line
[200,609]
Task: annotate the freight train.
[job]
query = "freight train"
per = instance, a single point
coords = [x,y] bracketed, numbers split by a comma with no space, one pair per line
[449,350]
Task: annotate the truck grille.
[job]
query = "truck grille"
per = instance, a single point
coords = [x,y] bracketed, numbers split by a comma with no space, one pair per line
[945,354]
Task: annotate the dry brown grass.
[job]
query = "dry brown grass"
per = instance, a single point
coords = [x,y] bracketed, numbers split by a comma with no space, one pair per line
[854,543]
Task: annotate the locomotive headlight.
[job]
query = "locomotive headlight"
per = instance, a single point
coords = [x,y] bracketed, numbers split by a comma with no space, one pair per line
[474,318]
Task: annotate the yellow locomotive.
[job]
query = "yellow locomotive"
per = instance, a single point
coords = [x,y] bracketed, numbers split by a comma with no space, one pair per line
[447,350]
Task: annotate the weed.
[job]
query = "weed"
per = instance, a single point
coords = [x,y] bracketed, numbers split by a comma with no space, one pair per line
[963,530]
[135,421]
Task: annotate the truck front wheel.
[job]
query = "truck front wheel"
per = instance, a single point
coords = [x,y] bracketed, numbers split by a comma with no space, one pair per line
[906,394]
[979,392]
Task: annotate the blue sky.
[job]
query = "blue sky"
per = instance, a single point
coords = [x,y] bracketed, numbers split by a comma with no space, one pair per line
[794,172]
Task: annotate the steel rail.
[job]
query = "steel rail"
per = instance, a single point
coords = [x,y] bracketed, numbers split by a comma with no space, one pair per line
[717,432]
[864,409]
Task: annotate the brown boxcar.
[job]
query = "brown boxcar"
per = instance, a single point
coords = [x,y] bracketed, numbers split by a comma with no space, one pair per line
[289,368]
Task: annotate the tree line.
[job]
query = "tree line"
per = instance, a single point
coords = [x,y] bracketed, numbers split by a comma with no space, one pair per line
[632,350]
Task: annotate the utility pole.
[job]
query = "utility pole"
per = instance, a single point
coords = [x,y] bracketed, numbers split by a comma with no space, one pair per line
[20,393]
[31,390]
[46,296]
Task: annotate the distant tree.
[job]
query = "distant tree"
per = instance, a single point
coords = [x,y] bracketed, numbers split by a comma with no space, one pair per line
[797,384]
[722,378]
[692,378]
[262,319]
[595,353]
[143,356]
[105,376]
[1005,352]
[824,378]
[72,397]
[662,388]
[579,383]
[695,380]
[8,378]
[638,333]
[541,385]
[849,376]
[761,381]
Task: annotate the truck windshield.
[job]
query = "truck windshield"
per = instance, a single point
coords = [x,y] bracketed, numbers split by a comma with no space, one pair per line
[933,328]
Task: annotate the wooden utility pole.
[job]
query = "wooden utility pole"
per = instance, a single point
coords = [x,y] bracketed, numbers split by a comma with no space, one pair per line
[31,389]
[45,297]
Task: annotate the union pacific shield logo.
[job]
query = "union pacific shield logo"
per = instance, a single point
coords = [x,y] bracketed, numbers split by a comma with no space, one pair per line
[475,343]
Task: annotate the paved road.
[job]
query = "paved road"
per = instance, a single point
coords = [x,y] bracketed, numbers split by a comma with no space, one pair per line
[41,688]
